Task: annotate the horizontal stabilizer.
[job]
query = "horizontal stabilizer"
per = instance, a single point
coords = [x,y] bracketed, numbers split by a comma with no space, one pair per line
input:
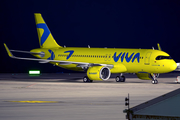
[39,53]
[11,55]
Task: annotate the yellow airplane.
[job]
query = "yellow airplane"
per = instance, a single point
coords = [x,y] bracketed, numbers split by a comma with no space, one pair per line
[99,63]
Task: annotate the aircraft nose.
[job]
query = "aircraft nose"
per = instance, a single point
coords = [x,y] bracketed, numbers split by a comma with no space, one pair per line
[173,66]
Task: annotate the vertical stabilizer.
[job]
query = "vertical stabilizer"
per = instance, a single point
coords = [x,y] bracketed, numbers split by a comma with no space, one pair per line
[46,39]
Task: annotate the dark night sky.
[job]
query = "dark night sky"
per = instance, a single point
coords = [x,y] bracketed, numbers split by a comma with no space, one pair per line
[107,23]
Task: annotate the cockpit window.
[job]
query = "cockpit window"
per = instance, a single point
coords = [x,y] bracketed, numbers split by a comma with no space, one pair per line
[163,57]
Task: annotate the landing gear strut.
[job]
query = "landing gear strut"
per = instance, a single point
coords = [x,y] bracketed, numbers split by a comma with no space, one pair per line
[120,78]
[86,79]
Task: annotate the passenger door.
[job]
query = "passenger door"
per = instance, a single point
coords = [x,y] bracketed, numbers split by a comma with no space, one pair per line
[147,58]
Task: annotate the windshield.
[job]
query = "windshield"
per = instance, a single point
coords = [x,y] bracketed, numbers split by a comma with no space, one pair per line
[163,57]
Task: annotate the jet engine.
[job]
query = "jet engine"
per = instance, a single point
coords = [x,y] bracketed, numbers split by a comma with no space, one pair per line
[98,73]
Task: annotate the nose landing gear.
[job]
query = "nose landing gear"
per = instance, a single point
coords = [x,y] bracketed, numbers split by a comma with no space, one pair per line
[154,78]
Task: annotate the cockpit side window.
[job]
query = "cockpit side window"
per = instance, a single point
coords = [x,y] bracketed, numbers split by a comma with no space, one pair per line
[163,57]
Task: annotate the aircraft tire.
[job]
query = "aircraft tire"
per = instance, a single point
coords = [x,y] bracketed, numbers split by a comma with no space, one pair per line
[123,78]
[86,79]
[120,78]
[154,81]
[117,79]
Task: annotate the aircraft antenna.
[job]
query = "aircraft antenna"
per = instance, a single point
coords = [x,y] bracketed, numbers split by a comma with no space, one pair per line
[159,47]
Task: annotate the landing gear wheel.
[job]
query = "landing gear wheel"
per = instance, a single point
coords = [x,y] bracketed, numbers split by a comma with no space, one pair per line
[120,79]
[123,78]
[86,79]
[117,79]
[154,82]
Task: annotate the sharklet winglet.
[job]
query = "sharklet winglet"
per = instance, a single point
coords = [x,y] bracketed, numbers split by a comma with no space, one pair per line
[8,51]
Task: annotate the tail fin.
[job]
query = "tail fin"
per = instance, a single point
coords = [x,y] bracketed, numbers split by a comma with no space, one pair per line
[46,39]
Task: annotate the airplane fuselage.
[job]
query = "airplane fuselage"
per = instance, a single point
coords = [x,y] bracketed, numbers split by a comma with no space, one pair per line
[135,60]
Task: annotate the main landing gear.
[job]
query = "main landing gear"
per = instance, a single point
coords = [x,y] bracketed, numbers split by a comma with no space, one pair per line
[120,78]
[87,80]
[154,78]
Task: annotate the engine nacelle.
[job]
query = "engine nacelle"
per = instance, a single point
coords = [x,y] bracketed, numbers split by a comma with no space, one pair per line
[98,73]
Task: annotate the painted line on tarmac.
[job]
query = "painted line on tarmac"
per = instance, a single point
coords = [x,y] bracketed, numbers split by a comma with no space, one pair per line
[31,85]
[35,101]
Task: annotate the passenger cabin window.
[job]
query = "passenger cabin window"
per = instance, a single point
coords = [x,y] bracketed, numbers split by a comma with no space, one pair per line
[163,57]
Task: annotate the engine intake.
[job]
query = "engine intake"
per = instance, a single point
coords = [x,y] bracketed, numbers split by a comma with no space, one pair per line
[98,73]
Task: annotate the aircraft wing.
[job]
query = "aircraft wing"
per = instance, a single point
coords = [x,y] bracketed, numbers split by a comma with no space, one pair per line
[79,64]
